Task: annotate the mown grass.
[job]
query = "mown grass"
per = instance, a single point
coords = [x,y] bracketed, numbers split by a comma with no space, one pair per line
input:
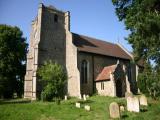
[13,110]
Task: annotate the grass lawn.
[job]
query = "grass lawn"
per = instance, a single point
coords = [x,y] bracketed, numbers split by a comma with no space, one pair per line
[67,111]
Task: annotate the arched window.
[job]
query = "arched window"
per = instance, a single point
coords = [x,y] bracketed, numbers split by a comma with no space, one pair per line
[84,72]
[56,18]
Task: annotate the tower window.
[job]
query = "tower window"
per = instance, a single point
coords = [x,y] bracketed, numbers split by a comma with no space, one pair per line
[84,72]
[56,18]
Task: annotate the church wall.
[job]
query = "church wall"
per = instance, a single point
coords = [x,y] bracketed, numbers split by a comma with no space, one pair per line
[109,88]
[86,88]
[96,64]
[100,62]
[53,37]
[73,84]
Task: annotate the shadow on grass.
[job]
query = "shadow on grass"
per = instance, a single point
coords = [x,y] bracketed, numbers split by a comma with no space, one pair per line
[143,110]
[124,116]
[80,101]
[85,102]
[14,101]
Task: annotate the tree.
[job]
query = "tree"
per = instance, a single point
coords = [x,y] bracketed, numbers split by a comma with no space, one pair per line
[149,83]
[13,49]
[142,18]
[53,77]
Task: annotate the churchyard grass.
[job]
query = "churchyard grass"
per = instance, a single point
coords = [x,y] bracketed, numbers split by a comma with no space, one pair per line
[37,110]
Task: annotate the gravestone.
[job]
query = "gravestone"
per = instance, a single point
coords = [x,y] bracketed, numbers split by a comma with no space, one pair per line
[87,96]
[80,96]
[84,97]
[87,107]
[65,97]
[135,104]
[143,100]
[132,104]
[78,105]
[121,108]
[128,94]
[114,110]
[129,103]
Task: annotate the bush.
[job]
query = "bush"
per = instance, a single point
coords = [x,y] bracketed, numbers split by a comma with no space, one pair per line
[47,94]
[54,77]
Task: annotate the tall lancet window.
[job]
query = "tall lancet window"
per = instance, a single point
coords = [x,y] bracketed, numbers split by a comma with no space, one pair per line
[55,18]
[84,71]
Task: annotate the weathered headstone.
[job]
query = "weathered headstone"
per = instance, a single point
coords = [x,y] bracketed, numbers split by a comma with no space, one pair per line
[87,107]
[87,96]
[121,108]
[80,96]
[65,97]
[78,105]
[128,94]
[129,103]
[114,110]
[143,100]
[135,104]
[132,104]
[84,97]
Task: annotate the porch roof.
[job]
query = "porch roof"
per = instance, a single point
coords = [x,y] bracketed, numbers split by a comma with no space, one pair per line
[105,73]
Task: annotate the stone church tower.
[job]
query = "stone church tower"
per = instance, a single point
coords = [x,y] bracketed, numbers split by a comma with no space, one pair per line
[50,32]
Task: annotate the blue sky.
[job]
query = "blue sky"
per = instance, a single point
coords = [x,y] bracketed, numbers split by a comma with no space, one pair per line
[95,18]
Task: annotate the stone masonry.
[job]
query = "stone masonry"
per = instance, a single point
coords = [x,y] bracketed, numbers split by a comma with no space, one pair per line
[48,41]
[51,39]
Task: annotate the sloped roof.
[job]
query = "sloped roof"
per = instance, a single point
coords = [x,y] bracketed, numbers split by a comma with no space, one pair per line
[105,73]
[92,45]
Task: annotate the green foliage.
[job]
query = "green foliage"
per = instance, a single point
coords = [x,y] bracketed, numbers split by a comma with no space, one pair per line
[13,49]
[142,18]
[48,93]
[54,78]
[149,82]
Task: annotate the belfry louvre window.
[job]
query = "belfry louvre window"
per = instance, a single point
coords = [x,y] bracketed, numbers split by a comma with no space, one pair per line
[84,72]
[102,85]
[55,18]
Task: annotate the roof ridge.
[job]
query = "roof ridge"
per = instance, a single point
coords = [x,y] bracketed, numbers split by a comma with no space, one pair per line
[110,65]
[94,38]
[125,50]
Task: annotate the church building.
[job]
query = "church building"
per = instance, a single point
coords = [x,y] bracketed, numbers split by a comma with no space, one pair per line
[92,65]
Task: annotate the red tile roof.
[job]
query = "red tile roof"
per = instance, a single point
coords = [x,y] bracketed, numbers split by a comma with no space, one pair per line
[105,73]
[92,45]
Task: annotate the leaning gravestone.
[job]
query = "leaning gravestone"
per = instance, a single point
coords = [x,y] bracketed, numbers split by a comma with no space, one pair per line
[84,97]
[114,110]
[80,96]
[132,104]
[143,100]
